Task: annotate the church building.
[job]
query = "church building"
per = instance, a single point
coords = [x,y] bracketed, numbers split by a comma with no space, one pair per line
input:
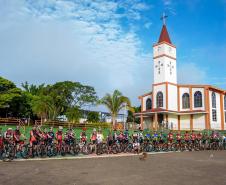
[180,106]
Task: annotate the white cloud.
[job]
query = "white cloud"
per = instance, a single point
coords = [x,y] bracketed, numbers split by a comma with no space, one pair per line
[64,40]
[83,40]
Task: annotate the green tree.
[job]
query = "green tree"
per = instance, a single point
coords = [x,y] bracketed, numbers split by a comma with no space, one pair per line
[131,118]
[70,95]
[115,103]
[74,114]
[42,106]
[93,117]
[10,98]
[33,89]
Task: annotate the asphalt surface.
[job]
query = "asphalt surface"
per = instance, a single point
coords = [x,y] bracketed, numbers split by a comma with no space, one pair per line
[188,168]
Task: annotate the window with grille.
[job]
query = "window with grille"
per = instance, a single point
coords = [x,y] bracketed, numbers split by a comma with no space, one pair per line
[185,101]
[159,99]
[198,99]
[148,104]
[213,100]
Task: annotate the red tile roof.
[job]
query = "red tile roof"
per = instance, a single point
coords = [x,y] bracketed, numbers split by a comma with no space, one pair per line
[164,36]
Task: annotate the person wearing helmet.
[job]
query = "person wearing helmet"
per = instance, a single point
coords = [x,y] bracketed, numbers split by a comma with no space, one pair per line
[59,135]
[179,137]
[120,137]
[100,137]
[8,136]
[93,136]
[170,137]
[83,136]
[33,136]
[71,136]
[16,135]
[44,136]
[109,139]
[186,137]
[50,136]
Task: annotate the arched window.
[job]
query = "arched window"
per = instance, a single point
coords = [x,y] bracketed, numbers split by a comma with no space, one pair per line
[198,99]
[148,104]
[159,99]
[213,100]
[185,101]
[224,102]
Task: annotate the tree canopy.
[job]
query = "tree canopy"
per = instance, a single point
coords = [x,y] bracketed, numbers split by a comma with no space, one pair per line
[45,101]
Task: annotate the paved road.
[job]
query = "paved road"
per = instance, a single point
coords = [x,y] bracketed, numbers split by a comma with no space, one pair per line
[188,168]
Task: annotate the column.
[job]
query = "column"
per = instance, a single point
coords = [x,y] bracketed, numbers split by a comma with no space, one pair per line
[141,122]
[156,121]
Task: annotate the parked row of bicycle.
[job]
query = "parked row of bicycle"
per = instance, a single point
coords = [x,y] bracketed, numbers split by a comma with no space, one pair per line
[43,143]
[23,150]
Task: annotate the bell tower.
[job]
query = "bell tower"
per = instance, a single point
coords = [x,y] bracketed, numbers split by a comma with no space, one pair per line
[164,56]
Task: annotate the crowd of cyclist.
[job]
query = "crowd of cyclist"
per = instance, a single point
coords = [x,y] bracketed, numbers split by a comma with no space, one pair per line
[138,138]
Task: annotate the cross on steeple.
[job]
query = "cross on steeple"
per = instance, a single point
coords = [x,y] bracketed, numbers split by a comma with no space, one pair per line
[163,18]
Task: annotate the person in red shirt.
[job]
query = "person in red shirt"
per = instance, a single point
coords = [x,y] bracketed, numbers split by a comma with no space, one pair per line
[193,137]
[59,135]
[45,136]
[178,137]
[83,136]
[170,137]
[93,136]
[186,137]
[199,136]
[8,136]
[33,136]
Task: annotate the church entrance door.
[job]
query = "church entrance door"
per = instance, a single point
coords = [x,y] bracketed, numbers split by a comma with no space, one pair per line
[160,120]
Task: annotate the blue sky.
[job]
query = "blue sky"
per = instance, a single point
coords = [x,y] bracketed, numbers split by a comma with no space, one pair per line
[108,43]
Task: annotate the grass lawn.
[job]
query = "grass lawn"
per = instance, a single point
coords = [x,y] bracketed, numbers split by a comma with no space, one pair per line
[26,130]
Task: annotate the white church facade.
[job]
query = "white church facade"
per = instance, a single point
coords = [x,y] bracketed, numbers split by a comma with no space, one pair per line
[182,107]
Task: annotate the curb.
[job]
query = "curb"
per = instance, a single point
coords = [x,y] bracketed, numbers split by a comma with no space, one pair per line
[88,157]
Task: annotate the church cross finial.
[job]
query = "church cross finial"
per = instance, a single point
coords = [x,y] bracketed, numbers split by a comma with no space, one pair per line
[163,18]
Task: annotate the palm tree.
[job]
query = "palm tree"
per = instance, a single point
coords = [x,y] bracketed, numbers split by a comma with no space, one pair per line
[115,103]
[43,107]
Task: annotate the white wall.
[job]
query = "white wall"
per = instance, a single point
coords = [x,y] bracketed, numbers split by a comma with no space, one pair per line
[144,101]
[164,49]
[172,97]
[198,122]
[165,63]
[173,119]
[202,90]
[156,89]
[215,124]
[185,122]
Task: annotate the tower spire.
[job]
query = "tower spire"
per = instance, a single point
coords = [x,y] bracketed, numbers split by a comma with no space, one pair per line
[164,36]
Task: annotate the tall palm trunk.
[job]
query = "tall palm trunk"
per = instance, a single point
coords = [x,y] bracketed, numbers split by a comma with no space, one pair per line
[113,121]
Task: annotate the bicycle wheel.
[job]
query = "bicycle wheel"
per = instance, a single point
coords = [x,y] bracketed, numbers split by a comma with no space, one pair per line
[129,148]
[43,152]
[114,149]
[24,153]
[165,147]
[76,149]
